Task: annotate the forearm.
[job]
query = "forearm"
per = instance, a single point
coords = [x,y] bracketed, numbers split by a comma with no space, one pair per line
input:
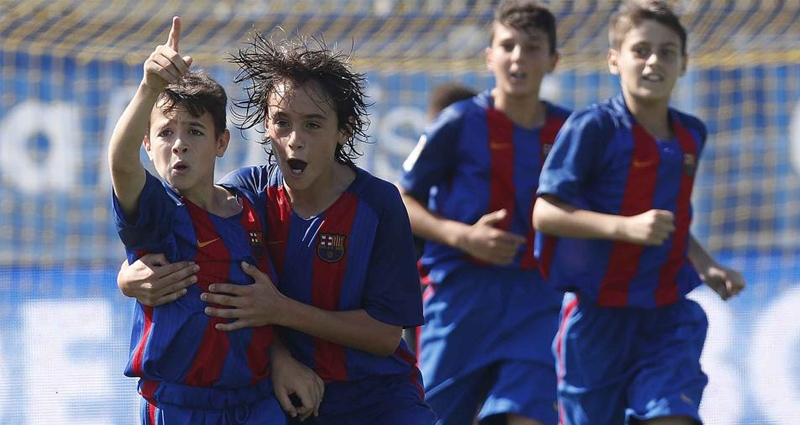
[554,217]
[127,171]
[354,328]
[699,257]
[432,227]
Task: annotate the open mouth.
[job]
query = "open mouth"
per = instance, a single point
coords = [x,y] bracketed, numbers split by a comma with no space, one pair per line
[180,167]
[653,78]
[296,166]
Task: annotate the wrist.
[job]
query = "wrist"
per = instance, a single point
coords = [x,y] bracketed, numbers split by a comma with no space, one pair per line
[455,235]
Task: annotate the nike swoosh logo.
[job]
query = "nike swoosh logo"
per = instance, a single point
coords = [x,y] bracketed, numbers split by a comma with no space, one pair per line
[206,243]
[496,145]
[642,164]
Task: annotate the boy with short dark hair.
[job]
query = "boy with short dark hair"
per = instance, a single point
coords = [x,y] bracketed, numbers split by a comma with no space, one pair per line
[489,316]
[616,190]
[189,372]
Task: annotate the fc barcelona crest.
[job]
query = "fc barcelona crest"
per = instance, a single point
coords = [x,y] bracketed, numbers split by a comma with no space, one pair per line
[256,243]
[689,164]
[330,248]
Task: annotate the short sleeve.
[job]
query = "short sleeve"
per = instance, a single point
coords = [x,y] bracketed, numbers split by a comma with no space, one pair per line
[434,158]
[252,179]
[392,290]
[148,231]
[575,156]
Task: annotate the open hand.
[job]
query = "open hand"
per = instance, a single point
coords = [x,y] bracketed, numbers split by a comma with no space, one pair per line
[252,305]
[486,242]
[154,281]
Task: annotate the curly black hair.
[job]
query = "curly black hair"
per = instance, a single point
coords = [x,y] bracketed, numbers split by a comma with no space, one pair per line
[265,64]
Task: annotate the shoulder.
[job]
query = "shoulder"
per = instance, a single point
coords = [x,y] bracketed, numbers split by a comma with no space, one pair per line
[691,122]
[378,193]
[155,187]
[559,111]
[603,117]
[465,109]
[255,178]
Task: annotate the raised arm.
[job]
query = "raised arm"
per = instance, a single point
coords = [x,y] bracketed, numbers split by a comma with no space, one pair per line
[164,66]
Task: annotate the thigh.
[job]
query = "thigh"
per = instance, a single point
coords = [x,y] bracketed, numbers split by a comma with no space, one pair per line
[458,401]
[523,388]
[168,414]
[459,332]
[388,412]
[265,412]
[593,349]
[670,381]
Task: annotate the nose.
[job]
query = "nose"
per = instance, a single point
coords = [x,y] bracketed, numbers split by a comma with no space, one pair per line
[295,141]
[653,58]
[516,53]
[179,146]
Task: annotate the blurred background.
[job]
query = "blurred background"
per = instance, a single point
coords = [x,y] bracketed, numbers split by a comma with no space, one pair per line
[68,67]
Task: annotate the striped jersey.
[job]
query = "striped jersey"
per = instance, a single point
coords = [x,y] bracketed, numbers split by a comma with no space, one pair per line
[606,162]
[176,345]
[357,254]
[474,160]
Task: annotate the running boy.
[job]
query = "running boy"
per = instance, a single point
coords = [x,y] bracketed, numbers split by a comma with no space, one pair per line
[616,189]
[489,316]
[189,372]
[339,238]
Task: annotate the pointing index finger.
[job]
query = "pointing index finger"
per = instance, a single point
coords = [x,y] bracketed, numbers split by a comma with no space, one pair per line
[174,34]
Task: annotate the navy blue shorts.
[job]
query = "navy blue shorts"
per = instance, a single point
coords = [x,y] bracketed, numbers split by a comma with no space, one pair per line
[615,364]
[265,412]
[486,343]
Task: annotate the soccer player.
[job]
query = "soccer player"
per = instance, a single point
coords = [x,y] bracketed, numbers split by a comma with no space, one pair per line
[339,237]
[469,188]
[189,372]
[442,96]
[616,190]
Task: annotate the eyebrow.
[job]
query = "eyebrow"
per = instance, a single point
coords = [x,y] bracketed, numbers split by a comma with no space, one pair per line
[196,123]
[313,116]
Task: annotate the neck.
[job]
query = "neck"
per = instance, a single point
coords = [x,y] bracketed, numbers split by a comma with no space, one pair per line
[525,111]
[214,199]
[652,116]
[315,199]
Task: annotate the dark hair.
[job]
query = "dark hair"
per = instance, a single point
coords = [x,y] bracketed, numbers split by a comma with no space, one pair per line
[198,93]
[527,16]
[446,94]
[634,12]
[264,64]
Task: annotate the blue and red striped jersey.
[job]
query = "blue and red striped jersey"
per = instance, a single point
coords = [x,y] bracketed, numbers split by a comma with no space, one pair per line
[176,343]
[474,160]
[358,254]
[604,161]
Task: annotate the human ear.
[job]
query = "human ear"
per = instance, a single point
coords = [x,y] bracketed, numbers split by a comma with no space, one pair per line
[146,144]
[612,57]
[222,142]
[553,61]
